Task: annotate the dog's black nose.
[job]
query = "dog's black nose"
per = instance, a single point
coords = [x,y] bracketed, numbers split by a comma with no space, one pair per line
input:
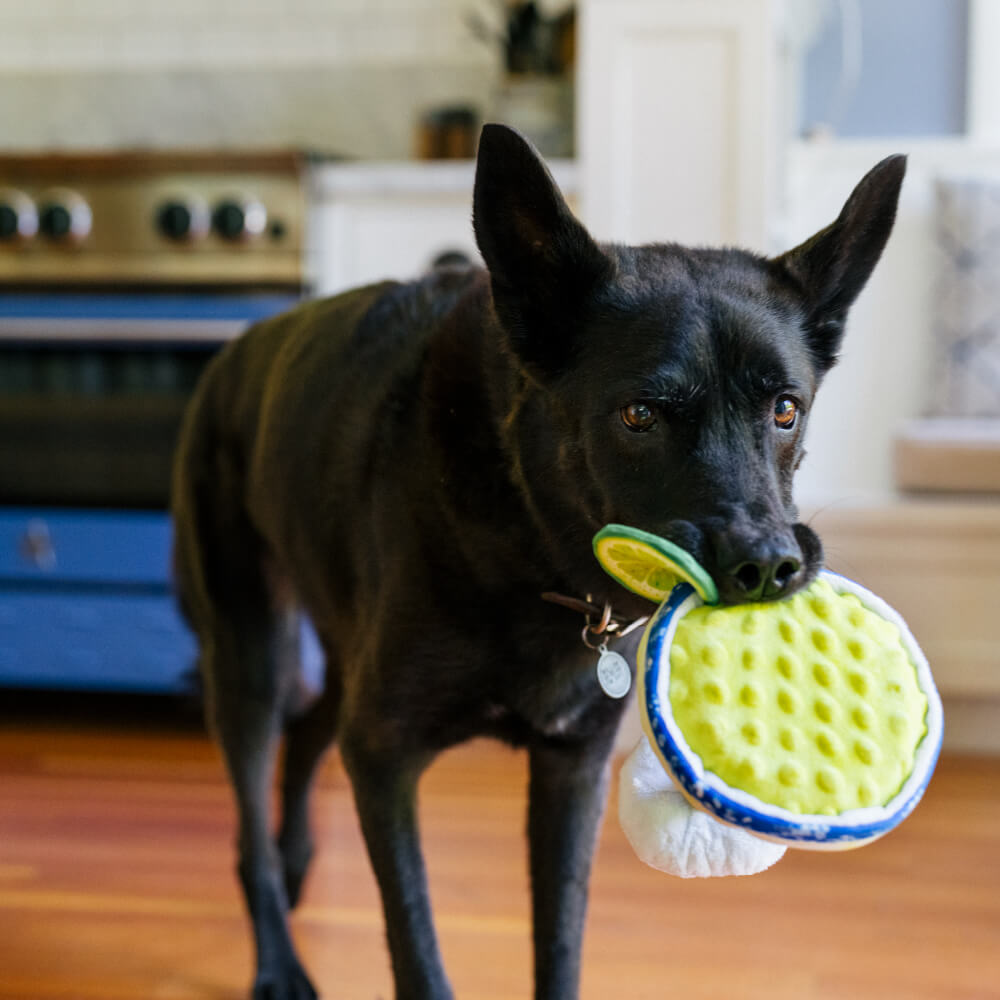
[761,579]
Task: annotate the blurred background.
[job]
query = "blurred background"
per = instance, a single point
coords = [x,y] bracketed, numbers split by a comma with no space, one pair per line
[171,172]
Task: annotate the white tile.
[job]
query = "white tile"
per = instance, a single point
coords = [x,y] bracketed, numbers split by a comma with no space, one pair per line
[21,52]
[117,34]
[33,12]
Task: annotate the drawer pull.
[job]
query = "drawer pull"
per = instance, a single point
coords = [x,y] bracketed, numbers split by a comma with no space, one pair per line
[36,546]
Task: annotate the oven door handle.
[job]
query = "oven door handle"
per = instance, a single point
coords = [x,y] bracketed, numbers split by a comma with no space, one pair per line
[117,329]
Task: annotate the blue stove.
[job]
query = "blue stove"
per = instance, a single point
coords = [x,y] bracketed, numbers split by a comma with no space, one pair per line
[120,277]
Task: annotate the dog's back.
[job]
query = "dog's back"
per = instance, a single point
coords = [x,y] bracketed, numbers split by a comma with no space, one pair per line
[345,371]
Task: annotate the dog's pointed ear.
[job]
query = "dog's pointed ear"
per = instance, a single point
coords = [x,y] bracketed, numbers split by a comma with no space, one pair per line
[542,262]
[832,267]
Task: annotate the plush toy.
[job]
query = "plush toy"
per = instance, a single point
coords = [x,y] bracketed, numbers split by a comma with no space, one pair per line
[811,722]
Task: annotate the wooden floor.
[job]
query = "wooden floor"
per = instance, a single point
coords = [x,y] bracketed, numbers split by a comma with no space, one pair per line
[116,883]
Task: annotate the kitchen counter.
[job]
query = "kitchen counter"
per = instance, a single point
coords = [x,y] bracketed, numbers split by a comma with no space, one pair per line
[415,178]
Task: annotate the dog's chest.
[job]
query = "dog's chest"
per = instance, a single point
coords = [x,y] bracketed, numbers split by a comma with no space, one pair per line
[559,698]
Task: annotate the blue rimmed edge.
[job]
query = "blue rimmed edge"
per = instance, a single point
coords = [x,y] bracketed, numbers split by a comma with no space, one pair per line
[810,828]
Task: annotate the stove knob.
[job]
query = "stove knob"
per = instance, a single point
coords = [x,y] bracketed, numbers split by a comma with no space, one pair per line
[56,221]
[64,217]
[183,219]
[239,219]
[18,217]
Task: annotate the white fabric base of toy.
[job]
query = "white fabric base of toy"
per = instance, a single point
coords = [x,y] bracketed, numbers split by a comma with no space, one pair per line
[668,833]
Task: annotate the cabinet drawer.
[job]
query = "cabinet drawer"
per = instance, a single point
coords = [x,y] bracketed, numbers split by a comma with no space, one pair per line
[85,546]
[126,643]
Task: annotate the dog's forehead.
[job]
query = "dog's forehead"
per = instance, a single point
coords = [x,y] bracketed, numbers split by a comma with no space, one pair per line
[691,284]
[688,312]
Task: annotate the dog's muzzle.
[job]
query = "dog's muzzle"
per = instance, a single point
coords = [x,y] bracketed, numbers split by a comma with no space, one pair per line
[752,562]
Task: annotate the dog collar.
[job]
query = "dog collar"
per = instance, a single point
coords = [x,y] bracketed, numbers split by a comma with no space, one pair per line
[601,621]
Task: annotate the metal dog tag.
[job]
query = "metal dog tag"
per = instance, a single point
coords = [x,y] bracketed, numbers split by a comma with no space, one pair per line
[613,674]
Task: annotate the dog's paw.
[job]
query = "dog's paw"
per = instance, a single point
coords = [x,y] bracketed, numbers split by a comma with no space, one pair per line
[283,984]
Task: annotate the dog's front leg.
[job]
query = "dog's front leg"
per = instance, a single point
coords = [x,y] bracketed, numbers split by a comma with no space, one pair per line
[568,786]
[385,792]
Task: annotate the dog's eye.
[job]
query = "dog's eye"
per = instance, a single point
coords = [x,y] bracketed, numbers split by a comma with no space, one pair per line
[638,417]
[786,412]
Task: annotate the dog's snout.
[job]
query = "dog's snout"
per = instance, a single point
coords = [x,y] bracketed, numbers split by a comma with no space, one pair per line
[762,580]
[754,566]
[761,560]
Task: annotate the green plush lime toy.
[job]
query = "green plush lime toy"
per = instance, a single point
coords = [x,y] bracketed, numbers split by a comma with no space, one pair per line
[810,722]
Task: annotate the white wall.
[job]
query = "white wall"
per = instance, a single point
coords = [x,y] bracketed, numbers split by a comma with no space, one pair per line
[887,361]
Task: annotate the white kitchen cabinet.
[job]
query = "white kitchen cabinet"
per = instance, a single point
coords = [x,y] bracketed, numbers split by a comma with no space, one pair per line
[373,221]
[677,119]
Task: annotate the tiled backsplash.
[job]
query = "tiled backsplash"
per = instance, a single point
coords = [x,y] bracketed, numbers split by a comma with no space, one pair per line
[149,34]
[344,75]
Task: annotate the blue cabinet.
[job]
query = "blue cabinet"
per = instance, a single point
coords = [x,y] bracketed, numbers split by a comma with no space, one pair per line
[61,547]
[86,602]
[92,390]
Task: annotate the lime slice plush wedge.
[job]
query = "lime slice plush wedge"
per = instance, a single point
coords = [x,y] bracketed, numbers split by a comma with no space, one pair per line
[649,565]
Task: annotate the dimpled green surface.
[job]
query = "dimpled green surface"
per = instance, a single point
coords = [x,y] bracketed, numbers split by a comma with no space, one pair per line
[811,704]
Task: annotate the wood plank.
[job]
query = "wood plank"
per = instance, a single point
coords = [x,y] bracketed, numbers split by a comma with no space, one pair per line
[32,168]
[116,883]
[948,455]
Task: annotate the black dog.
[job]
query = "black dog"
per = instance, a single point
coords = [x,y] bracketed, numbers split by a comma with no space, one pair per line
[413,464]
